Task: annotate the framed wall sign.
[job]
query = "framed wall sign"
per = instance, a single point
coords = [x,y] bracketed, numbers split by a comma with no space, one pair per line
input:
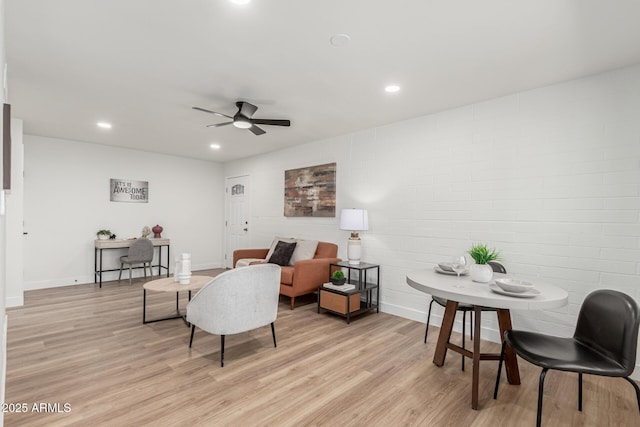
[124,190]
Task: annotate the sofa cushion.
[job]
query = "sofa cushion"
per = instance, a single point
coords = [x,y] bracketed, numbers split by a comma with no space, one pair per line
[275,242]
[305,249]
[282,254]
[286,275]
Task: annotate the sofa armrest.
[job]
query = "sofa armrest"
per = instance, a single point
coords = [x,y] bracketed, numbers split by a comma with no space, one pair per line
[308,274]
[249,253]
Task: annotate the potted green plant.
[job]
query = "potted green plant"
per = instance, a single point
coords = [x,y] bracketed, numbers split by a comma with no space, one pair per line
[337,278]
[103,234]
[481,271]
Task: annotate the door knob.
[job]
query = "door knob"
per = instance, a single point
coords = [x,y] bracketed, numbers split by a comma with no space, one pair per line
[245,229]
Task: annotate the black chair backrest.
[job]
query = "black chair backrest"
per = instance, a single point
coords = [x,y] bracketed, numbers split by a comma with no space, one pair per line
[141,250]
[497,267]
[608,321]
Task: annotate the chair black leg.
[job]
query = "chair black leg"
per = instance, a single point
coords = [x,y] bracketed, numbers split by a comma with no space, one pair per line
[193,329]
[428,319]
[540,392]
[464,333]
[471,324]
[120,275]
[495,391]
[580,391]
[273,333]
[222,351]
[635,386]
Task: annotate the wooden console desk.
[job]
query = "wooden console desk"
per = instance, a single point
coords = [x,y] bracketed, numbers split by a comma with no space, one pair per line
[101,245]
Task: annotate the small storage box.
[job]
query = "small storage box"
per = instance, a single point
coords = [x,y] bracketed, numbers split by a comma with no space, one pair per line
[338,303]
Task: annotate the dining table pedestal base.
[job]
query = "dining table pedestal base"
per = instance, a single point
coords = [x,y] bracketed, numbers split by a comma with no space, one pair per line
[444,344]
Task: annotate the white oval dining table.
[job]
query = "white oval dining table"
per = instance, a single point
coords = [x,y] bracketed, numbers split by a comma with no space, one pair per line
[479,295]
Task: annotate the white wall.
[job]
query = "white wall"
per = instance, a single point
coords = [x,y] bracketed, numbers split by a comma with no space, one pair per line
[550,177]
[67,200]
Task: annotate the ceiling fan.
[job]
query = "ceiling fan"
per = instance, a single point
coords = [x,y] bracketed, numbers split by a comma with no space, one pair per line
[243,119]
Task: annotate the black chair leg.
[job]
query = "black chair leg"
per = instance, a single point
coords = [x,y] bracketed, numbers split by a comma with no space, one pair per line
[222,351]
[428,319]
[635,386]
[120,275]
[193,329]
[580,391]
[471,324]
[495,391]
[464,333]
[540,392]
[273,333]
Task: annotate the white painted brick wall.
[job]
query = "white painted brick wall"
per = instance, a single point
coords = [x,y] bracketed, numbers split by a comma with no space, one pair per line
[550,177]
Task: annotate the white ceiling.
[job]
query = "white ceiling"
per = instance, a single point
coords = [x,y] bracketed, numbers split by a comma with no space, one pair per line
[143,64]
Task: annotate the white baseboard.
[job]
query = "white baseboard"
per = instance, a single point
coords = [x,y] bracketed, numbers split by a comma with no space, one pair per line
[14,301]
[106,277]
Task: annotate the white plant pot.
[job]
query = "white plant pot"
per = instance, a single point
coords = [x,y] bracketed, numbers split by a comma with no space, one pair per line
[482,273]
[102,237]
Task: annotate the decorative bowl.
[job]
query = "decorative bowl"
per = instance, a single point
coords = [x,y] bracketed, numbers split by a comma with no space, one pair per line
[513,285]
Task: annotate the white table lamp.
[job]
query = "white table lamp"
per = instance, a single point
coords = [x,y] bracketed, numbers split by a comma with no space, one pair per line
[354,220]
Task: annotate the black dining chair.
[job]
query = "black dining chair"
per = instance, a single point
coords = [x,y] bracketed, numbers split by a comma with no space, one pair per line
[464,308]
[604,343]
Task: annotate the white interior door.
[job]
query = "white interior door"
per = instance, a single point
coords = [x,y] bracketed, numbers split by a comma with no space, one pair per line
[237,212]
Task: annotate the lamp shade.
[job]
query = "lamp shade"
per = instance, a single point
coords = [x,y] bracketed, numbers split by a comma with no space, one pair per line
[354,219]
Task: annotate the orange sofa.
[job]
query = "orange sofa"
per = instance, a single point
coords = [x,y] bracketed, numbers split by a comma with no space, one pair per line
[305,276]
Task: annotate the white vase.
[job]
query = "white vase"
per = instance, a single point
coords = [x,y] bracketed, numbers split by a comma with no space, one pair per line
[482,273]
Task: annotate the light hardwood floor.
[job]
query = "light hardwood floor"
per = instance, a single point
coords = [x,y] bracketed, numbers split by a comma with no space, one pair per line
[87,347]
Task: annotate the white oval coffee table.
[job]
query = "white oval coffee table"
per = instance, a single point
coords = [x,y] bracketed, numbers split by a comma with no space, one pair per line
[168,284]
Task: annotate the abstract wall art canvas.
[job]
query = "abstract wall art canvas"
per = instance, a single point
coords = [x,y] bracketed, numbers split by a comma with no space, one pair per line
[310,191]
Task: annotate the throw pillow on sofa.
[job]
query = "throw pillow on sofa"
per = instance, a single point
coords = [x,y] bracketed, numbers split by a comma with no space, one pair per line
[305,249]
[282,253]
[275,242]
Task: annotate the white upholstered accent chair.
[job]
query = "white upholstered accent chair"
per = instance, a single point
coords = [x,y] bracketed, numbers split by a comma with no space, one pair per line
[140,252]
[237,301]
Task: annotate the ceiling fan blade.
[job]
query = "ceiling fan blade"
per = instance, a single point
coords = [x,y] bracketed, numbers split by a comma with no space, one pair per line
[256,130]
[246,109]
[217,125]
[272,122]
[212,112]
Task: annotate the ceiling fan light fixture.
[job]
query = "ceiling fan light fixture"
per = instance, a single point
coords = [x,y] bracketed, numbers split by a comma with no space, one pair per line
[242,123]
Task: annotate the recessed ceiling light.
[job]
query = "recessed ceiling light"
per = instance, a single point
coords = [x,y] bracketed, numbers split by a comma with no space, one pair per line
[215,146]
[392,88]
[242,2]
[104,125]
[339,40]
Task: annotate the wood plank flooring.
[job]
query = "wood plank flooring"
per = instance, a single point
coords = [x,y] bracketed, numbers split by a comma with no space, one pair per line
[87,347]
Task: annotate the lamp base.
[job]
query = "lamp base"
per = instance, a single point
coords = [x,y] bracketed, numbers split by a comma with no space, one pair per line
[354,251]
